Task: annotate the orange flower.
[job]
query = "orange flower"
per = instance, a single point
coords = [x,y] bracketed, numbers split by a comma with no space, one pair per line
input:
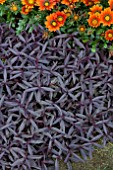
[72,6]
[82,28]
[76,17]
[25,10]
[13,7]
[106,17]
[111,4]
[109,35]
[96,9]
[46,4]
[52,23]
[88,2]
[69,2]
[2,1]
[28,3]
[60,17]
[94,21]
[68,12]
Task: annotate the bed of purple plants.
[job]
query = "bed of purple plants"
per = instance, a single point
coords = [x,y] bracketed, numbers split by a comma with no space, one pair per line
[55,99]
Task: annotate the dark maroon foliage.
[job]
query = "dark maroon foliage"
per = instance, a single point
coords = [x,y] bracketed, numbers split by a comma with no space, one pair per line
[55,99]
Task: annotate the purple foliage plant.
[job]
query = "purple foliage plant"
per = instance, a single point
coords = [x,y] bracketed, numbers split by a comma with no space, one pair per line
[55,99]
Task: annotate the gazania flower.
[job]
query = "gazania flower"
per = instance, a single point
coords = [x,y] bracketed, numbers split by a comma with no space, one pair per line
[76,17]
[82,28]
[52,23]
[2,1]
[68,12]
[109,35]
[25,10]
[111,4]
[72,6]
[46,4]
[69,2]
[88,2]
[94,21]
[13,7]
[96,9]
[107,17]
[60,17]
[28,3]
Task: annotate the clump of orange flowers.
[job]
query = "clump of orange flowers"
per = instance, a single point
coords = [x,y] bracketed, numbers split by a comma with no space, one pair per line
[55,20]
[98,16]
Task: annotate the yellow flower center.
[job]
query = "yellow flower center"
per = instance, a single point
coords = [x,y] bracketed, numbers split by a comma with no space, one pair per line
[60,18]
[26,10]
[54,23]
[110,35]
[46,3]
[107,17]
[31,2]
[94,22]
[97,12]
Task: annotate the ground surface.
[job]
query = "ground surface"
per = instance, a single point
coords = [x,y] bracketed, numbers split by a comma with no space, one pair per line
[102,160]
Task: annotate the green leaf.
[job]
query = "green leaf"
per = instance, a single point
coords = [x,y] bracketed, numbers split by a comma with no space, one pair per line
[93,48]
[105,45]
